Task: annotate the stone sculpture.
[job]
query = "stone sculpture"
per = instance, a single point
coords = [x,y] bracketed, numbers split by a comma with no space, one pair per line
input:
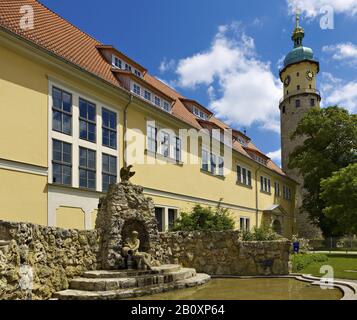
[131,252]
[126,174]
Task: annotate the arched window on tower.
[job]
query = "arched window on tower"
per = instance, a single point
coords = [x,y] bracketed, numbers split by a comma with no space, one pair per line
[283,109]
[297,103]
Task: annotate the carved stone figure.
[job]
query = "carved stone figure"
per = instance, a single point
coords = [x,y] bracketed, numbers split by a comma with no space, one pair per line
[131,251]
[126,174]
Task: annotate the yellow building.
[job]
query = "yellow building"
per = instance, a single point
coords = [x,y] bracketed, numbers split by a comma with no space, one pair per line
[73,110]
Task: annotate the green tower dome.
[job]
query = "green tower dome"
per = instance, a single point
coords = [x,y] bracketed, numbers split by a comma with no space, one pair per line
[299,53]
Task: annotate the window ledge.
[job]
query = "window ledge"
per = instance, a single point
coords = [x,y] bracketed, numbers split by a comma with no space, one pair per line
[63,186]
[265,192]
[213,175]
[159,156]
[244,185]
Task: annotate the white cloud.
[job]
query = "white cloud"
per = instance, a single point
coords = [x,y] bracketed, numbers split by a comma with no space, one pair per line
[311,8]
[242,89]
[343,51]
[335,91]
[275,156]
[167,65]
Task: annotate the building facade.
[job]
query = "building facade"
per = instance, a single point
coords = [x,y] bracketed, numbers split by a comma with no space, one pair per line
[300,95]
[74,111]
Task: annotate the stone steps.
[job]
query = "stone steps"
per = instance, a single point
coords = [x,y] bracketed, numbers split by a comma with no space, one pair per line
[71,294]
[164,269]
[137,280]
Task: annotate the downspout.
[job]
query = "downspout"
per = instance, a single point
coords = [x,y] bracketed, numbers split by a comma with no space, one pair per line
[256,197]
[125,128]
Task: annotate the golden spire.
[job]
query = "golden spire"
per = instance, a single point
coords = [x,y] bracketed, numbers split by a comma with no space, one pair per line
[299,32]
[297,13]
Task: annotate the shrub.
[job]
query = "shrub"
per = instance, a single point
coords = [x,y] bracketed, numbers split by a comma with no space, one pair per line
[301,261]
[263,233]
[205,219]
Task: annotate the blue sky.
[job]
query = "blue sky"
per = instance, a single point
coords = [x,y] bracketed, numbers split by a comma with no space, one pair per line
[226,54]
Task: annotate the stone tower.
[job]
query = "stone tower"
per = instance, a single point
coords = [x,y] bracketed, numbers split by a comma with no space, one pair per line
[300,95]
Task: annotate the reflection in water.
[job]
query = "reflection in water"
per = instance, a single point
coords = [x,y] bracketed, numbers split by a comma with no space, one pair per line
[251,289]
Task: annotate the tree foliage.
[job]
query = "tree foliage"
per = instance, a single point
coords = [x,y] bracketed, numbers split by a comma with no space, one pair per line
[331,144]
[339,192]
[204,219]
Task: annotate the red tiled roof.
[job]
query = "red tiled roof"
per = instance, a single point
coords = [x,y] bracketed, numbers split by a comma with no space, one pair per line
[60,37]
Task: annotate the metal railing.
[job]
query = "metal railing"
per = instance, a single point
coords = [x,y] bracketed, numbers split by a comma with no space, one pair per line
[335,244]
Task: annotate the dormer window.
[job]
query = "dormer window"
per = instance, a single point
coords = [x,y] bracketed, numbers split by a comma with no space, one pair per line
[117,62]
[136,89]
[242,141]
[147,95]
[196,112]
[260,160]
[158,101]
[167,106]
[199,113]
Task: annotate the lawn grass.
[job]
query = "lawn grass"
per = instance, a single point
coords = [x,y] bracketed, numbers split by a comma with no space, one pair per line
[340,264]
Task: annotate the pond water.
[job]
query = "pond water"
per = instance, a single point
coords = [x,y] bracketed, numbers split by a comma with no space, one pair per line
[251,289]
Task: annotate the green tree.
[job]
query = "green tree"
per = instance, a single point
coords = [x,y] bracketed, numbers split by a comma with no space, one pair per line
[331,144]
[204,218]
[339,192]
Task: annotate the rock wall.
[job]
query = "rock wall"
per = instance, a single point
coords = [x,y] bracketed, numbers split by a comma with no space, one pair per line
[36,261]
[222,253]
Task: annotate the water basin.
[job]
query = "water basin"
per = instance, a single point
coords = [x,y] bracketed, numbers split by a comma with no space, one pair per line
[251,289]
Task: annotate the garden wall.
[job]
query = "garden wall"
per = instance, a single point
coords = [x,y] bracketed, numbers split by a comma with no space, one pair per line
[222,253]
[36,261]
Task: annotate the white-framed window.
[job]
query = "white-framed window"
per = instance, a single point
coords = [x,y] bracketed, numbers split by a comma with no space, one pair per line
[205,160]
[128,67]
[199,113]
[87,168]
[136,89]
[147,95]
[94,131]
[265,184]
[117,62]
[220,166]
[244,176]
[137,73]
[165,144]
[87,120]
[166,106]
[242,141]
[109,171]
[178,149]
[157,101]
[62,102]
[61,162]
[196,112]
[277,189]
[165,217]
[244,223]
[109,128]
[151,138]
[212,163]
[287,193]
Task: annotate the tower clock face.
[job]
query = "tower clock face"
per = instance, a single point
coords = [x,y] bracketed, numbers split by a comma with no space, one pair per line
[287,81]
[309,75]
